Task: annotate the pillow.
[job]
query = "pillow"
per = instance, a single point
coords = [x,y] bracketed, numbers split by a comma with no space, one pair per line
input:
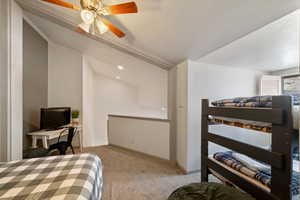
[251,163]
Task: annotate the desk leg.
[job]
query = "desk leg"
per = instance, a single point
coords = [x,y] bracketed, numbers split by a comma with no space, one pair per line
[34,142]
[45,143]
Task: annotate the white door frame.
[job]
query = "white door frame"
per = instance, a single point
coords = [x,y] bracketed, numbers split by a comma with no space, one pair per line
[11,78]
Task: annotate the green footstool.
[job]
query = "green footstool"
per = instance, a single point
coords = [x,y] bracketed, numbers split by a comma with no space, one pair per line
[208,191]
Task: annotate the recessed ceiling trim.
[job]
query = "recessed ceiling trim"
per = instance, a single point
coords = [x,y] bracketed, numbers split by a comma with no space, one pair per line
[67,23]
[36,28]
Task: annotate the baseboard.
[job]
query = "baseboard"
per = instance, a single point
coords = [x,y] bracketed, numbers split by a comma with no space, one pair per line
[162,160]
[181,168]
[166,161]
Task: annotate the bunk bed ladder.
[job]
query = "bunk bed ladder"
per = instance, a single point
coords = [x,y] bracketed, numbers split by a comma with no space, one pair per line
[204,141]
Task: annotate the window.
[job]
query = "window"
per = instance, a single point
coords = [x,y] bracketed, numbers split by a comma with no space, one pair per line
[270,85]
[291,86]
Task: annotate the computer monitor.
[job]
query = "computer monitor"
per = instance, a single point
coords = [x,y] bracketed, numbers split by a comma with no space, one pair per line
[54,118]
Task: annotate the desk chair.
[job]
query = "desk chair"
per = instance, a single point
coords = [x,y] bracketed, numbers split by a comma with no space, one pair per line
[62,146]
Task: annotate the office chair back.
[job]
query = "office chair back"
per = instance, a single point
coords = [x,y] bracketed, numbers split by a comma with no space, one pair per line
[63,146]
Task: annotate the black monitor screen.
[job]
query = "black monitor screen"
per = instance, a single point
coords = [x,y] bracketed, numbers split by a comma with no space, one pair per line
[54,118]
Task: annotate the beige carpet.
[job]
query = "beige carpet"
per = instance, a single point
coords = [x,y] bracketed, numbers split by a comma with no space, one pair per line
[132,176]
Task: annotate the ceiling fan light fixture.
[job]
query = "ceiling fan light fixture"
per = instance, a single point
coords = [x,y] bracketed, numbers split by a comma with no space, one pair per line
[104,11]
[93,14]
[85,27]
[102,28]
[87,16]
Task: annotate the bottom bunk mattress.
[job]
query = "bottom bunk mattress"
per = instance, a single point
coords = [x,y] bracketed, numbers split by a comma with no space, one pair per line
[253,171]
[226,182]
[57,177]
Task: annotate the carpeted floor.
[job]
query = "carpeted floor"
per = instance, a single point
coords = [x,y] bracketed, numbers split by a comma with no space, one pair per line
[133,176]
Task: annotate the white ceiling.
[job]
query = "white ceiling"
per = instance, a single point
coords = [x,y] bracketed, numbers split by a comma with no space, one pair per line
[109,57]
[134,75]
[273,47]
[174,30]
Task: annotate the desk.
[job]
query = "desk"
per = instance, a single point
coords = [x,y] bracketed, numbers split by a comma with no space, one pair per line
[45,135]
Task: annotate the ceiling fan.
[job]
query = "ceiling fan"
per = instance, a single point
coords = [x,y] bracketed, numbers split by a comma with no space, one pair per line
[93,14]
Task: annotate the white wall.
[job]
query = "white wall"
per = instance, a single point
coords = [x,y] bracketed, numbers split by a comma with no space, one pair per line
[91,127]
[206,81]
[35,80]
[16,148]
[118,97]
[172,114]
[213,82]
[148,136]
[64,77]
[141,91]
[89,84]
[181,117]
[3,80]
[255,138]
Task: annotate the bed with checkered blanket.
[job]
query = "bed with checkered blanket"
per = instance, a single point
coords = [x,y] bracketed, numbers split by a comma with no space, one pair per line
[56,178]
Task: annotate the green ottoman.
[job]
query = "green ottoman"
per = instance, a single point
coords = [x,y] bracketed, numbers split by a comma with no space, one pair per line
[208,191]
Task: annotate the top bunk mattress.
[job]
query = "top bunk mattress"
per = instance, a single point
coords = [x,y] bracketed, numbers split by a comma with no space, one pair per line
[260,126]
[253,102]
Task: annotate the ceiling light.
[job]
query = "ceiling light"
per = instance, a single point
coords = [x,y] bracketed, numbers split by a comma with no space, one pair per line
[105,11]
[102,28]
[87,16]
[118,77]
[120,67]
[85,27]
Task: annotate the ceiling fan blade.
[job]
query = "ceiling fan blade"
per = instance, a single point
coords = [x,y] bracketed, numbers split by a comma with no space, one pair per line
[79,30]
[123,8]
[63,4]
[113,28]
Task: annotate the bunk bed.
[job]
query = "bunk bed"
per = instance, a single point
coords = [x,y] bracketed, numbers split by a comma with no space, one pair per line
[281,183]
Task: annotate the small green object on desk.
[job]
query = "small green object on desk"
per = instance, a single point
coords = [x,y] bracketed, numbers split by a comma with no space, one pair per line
[75,114]
[208,191]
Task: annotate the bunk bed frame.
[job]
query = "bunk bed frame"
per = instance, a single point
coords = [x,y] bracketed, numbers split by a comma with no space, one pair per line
[279,158]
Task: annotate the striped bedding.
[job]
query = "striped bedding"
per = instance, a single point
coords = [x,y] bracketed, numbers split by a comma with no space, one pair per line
[253,102]
[256,101]
[263,175]
[55,178]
